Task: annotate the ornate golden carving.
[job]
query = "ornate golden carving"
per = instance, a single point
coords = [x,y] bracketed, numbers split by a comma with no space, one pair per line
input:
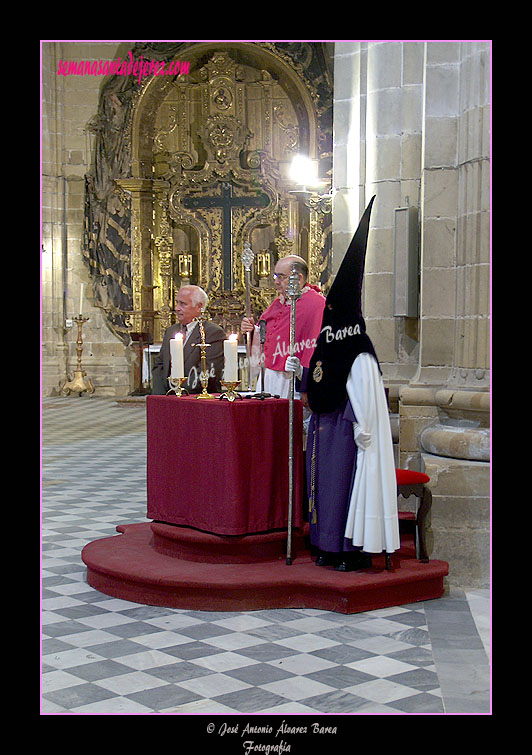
[218,143]
[224,137]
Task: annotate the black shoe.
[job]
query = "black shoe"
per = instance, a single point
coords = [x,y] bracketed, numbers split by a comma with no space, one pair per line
[353,561]
[326,559]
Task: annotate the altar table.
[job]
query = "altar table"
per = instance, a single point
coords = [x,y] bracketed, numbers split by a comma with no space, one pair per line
[222,466]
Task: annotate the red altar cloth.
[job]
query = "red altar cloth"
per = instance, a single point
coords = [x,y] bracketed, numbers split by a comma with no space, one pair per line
[222,466]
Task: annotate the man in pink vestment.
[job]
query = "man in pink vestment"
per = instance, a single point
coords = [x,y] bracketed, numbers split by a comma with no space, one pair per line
[309,312]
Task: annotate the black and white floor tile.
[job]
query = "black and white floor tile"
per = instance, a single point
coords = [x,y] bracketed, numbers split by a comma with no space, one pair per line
[101,655]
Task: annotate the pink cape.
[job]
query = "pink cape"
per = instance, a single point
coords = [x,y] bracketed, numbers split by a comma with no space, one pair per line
[309,312]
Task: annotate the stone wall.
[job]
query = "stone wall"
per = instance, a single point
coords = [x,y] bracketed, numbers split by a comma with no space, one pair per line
[68,104]
[411,126]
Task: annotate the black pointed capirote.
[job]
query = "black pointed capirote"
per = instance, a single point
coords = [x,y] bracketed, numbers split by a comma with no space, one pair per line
[343,330]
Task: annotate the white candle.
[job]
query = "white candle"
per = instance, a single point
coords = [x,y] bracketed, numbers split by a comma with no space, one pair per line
[176,356]
[81,298]
[231,359]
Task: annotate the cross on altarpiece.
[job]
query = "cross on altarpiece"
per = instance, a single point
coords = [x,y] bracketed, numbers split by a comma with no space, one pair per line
[227,201]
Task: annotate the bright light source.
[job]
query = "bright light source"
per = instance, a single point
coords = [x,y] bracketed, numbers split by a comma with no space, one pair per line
[303,171]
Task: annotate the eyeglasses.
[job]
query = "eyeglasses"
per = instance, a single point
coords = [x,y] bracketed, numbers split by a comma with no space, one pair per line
[280,276]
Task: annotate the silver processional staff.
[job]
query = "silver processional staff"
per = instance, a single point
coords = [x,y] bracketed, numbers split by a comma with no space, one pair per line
[248,255]
[293,293]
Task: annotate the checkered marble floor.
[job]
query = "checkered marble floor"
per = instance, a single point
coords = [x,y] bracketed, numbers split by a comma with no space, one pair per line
[101,655]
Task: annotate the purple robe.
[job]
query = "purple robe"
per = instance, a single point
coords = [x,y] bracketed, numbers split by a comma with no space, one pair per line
[332,478]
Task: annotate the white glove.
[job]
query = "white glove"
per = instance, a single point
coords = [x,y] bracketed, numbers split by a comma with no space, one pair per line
[294,365]
[362,439]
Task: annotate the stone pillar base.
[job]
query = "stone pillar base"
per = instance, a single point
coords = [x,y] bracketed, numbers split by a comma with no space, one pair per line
[459,531]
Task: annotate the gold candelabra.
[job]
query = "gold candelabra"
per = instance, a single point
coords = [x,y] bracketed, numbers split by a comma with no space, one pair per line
[78,384]
[176,386]
[204,377]
[230,394]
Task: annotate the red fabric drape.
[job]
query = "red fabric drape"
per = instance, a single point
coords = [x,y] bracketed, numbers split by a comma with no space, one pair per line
[222,466]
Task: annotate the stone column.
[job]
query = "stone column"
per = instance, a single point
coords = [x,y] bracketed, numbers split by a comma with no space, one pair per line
[377,150]
[455,217]
[439,202]
[349,145]
[53,259]
[472,336]
[393,159]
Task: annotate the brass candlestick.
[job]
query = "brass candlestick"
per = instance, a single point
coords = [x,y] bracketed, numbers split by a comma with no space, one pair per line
[78,384]
[204,377]
[176,386]
[185,268]
[230,393]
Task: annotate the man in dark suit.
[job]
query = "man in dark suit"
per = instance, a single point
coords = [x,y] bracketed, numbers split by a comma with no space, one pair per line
[191,301]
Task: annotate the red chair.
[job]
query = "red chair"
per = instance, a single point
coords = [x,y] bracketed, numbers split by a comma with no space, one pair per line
[414,483]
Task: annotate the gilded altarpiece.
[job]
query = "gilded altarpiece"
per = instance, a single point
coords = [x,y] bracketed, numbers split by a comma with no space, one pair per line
[223,139]
[190,168]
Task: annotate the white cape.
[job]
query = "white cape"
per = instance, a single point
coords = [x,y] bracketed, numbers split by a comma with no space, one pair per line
[372,520]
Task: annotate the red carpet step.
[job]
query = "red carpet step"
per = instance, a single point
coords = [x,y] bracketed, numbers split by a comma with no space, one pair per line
[178,567]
